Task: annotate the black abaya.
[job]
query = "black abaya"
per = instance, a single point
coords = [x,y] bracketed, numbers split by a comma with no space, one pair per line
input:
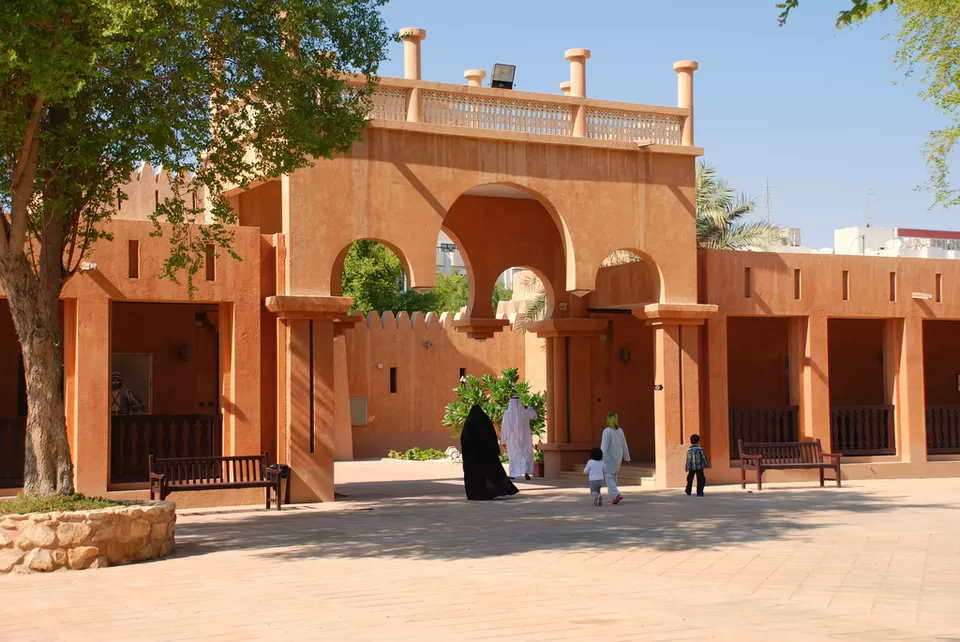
[483,474]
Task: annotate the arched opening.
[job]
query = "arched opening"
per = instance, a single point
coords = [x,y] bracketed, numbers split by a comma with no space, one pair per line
[627,279]
[503,230]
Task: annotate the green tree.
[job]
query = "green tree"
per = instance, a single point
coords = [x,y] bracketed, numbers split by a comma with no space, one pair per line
[90,87]
[500,293]
[492,393]
[721,215]
[373,276]
[928,42]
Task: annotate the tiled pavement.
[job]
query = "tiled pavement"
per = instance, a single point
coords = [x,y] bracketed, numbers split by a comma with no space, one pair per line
[408,559]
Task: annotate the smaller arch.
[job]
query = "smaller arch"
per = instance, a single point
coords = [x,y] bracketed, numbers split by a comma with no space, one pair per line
[627,277]
[540,287]
[336,274]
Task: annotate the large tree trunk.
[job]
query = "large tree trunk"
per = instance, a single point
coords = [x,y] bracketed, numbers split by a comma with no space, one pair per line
[35,309]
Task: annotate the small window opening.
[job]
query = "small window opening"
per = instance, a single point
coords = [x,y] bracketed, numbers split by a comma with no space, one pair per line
[133,259]
[393,381]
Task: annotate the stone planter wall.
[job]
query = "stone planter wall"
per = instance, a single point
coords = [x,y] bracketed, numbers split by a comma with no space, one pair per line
[43,542]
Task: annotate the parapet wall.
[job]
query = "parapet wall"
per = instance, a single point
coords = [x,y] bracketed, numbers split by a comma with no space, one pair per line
[405,368]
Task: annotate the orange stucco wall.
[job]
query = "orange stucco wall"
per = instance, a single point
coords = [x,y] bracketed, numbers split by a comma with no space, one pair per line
[425,376]
[851,339]
[758,348]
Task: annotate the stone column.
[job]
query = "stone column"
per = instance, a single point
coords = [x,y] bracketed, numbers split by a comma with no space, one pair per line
[412,38]
[815,383]
[475,77]
[911,405]
[578,87]
[89,387]
[718,440]
[685,69]
[307,368]
[676,397]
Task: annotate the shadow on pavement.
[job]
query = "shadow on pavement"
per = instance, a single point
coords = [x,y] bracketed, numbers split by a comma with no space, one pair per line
[430,520]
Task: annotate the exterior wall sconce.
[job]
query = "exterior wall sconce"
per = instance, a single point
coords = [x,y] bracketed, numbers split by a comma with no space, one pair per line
[658,387]
[379,366]
[87,266]
[186,353]
[503,76]
[625,355]
[922,296]
[428,343]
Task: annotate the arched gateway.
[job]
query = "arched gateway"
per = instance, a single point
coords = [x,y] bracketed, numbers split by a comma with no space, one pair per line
[554,182]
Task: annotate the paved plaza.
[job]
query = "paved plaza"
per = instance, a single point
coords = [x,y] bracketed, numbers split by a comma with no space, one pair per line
[404,557]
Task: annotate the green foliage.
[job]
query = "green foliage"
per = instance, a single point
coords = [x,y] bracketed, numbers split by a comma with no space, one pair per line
[417,454]
[373,275]
[500,293]
[493,395]
[23,504]
[928,42]
[721,213]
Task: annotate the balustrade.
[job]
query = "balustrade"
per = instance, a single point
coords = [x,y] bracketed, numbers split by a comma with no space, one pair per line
[134,437]
[943,430]
[762,424]
[862,430]
[13,434]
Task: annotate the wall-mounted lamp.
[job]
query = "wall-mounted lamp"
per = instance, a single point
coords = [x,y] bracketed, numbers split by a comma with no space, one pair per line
[379,366]
[428,343]
[87,266]
[186,353]
[922,296]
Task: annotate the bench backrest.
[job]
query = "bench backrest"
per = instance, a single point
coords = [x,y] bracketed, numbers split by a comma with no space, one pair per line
[795,452]
[209,470]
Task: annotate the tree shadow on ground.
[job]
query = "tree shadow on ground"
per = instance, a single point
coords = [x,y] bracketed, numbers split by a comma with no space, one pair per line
[415,525]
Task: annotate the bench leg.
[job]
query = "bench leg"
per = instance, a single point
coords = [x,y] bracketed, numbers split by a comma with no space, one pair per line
[838,475]
[759,475]
[821,478]
[268,497]
[743,476]
[279,494]
[151,492]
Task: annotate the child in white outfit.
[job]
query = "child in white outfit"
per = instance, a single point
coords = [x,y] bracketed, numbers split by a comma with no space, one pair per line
[594,472]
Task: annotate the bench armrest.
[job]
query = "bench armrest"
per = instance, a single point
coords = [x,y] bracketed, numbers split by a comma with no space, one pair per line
[157,476]
[754,457]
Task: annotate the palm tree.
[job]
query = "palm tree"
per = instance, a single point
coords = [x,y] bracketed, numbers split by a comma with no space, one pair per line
[721,225]
[721,213]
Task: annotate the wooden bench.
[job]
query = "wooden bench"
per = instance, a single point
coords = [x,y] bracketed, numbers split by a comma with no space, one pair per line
[761,456]
[215,473]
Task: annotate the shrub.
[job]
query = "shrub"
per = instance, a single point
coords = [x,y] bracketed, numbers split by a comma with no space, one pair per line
[23,504]
[417,454]
[493,395]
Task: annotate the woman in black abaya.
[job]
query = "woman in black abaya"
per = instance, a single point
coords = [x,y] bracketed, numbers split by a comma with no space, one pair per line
[483,474]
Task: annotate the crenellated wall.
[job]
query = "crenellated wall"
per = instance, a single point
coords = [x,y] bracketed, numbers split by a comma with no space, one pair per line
[427,355]
[146,188]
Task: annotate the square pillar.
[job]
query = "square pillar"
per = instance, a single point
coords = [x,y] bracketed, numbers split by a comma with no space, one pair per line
[581,390]
[309,401]
[239,330]
[668,408]
[717,440]
[88,359]
[814,380]
[910,411]
[342,426]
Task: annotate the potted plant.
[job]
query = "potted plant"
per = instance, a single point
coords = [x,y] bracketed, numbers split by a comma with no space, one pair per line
[537,461]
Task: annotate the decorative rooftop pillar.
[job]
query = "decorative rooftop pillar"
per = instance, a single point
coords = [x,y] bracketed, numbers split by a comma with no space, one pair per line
[578,87]
[412,37]
[565,87]
[475,77]
[685,69]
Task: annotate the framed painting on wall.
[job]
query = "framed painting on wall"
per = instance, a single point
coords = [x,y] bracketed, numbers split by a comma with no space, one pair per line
[131,384]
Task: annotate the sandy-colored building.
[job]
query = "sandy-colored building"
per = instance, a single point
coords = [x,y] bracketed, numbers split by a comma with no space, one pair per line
[858,352]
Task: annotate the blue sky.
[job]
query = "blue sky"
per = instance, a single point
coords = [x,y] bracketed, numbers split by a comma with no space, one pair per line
[813,110]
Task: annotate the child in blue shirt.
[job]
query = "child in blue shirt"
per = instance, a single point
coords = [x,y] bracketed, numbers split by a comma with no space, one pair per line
[696,464]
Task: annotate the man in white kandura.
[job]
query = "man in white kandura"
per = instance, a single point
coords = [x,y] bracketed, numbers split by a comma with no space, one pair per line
[516,436]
